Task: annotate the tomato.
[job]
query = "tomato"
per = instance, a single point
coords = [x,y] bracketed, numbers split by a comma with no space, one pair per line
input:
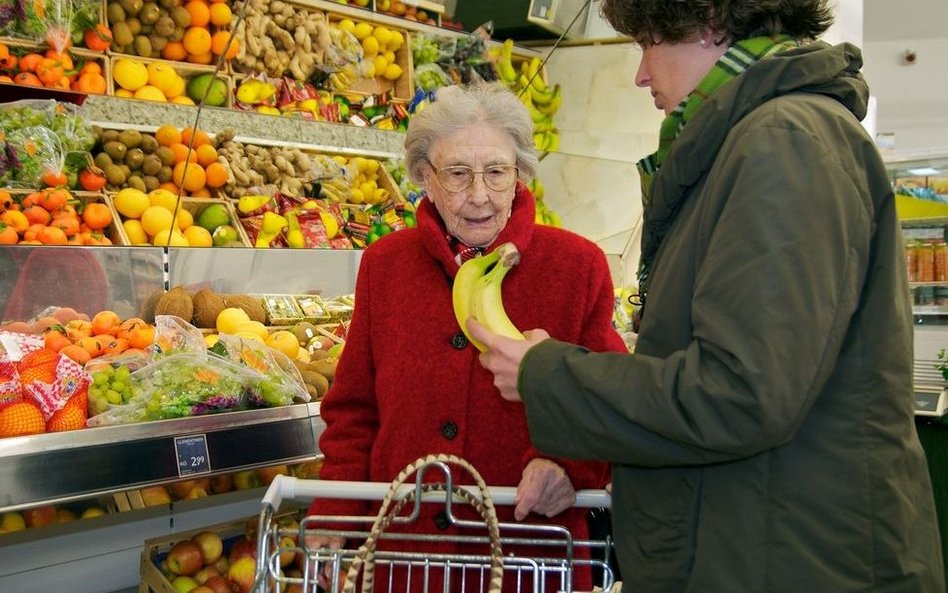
[98,38]
[92,179]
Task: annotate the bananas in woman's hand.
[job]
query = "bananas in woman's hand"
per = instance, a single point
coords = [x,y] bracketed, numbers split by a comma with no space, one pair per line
[476,292]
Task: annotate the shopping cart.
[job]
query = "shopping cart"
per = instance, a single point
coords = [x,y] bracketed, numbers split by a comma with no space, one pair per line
[494,567]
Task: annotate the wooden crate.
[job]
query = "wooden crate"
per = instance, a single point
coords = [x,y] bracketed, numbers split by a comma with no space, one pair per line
[79,56]
[113,231]
[195,206]
[184,69]
[402,88]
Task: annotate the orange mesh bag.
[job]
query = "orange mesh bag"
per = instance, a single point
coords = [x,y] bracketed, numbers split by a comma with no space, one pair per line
[20,419]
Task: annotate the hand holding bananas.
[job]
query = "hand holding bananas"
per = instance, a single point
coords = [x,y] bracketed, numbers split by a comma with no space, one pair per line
[502,355]
[477,292]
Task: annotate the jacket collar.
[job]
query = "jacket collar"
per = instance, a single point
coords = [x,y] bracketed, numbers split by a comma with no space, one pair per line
[519,229]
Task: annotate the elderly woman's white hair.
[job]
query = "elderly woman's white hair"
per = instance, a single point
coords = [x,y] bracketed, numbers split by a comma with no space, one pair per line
[457,107]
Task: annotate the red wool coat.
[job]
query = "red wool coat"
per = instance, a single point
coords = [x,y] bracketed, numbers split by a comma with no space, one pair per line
[409,384]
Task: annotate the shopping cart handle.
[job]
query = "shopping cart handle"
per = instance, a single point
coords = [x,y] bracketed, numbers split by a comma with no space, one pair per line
[290,488]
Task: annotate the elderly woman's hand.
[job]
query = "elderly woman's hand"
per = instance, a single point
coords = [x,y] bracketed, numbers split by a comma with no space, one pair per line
[324,578]
[544,489]
[503,356]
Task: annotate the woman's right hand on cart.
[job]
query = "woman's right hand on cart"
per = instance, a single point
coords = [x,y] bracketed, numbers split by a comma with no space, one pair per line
[333,543]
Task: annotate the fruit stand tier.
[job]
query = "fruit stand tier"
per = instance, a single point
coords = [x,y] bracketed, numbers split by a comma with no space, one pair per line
[59,467]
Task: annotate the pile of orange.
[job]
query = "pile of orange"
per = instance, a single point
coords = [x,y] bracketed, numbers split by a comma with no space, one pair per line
[105,334]
[52,216]
[207,36]
[51,70]
[195,170]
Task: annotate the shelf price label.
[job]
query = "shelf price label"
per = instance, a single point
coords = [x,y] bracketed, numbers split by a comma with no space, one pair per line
[192,455]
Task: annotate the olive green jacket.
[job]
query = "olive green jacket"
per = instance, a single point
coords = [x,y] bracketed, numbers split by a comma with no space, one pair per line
[762,434]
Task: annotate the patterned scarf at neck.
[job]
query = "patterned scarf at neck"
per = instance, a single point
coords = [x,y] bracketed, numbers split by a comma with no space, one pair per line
[738,58]
[462,252]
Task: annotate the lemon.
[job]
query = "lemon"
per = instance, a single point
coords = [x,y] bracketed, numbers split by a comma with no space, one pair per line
[211,339]
[130,202]
[396,40]
[284,341]
[130,74]
[368,188]
[380,64]
[370,46]
[340,159]
[135,233]
[184,220]
[228,320]
[176,88]
[371,166]
[383,35]
[198,236]
[248,335]
[392,72]
[177,239]
[150,93]
[163,198]
[381,195]
[162,77]
[390,56]
[156,219]
[356,196]
[362,30]
[183,100]
[347,25]
[359,163]
[254,327]
[124,93]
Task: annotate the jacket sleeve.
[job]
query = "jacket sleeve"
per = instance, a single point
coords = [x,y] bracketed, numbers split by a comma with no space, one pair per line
[349,409]
[773,297]
[597,335]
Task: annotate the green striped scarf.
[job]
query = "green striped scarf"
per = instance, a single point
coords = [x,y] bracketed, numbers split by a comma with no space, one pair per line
[738,58]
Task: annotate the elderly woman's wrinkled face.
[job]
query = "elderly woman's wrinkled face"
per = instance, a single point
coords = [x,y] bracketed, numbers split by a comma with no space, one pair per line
[478,213]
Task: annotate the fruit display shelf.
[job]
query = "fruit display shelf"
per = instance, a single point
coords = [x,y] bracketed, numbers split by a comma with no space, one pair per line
[56,468]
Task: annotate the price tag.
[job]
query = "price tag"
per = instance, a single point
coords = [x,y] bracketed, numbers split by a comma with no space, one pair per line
[191,452]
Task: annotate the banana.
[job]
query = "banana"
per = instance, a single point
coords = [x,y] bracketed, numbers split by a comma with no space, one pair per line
[551,106]
[533,75]
[469,273]
[504,65]
[487,304]
[541,98]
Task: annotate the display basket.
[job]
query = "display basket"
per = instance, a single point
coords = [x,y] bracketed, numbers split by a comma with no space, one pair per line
[494,568]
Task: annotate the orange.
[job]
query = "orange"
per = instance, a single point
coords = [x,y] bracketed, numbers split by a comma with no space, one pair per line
[200,14]
[205,58]
[105,322]
[174,50]
[216,175]
[167,185]
[41,357]
[168,135]
[219,42]
[181,152]
[157,218]
[200,137]
[203,192]
[221,14]
[206,154]
[72,416]
[197,41]
[21,418]
[191,176]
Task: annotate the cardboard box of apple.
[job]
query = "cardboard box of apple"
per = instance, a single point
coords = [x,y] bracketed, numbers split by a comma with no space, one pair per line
[216,559]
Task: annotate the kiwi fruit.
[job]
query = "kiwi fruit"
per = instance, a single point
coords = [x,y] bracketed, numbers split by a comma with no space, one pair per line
[102,160]
[164,174]
[165,154]
[122,34]
[97,134]
[109,135]
[303,331]
[125,169]
[134,25]
[131,6]
[116,150]
[114,174]
[325,367]
[148,143]
[151,165]
[317,380]
[134,158]
[158,42]
[136,182]
[149,13]
[151,182]
[181,16]
[142,46]
[130,138]
[168,4]
[115,14]
[164,26]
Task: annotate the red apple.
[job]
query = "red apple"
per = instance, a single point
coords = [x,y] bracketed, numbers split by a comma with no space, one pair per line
[211,546]
[39,516]
[205,573]
[222,564]
[201,589]
[287,549]
[222,483]
[180,489]
[185,558]
[153,496]
[242,548]
[218,584]
[241,573]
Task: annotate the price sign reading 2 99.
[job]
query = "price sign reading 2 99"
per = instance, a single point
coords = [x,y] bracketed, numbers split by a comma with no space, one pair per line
[191,452]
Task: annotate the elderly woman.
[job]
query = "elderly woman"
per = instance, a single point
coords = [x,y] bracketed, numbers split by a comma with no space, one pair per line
[762,434]
[409,382]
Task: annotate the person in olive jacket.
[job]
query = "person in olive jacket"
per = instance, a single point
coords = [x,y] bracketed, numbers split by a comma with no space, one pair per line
[761,436]
[409,382]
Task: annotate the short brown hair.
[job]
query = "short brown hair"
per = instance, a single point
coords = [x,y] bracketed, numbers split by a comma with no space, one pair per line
[730,20]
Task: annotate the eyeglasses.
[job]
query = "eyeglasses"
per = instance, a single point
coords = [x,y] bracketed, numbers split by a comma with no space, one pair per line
[458,178]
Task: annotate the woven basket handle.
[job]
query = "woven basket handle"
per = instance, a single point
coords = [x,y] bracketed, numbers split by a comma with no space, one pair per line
[365,557]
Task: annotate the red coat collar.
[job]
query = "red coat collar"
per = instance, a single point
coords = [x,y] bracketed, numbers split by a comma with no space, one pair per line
[519,229]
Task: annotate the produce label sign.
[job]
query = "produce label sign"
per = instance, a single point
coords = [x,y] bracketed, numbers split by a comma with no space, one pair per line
[192,455]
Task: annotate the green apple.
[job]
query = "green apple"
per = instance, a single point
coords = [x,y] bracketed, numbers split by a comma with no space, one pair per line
[213,216]
[216,94]
[224,235]
[183,584]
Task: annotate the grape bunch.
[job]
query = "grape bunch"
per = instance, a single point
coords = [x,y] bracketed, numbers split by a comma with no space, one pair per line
[111,386]
[424,50]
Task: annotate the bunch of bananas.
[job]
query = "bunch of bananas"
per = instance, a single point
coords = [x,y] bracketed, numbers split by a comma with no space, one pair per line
[543,214]
[541,100]
[476,292]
